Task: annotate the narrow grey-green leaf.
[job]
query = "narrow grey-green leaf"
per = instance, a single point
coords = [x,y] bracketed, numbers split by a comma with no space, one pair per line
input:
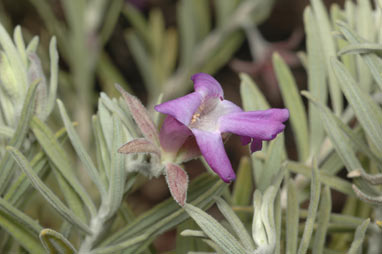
[323,218]
[45,191]
[316,79]
[187,32]
[366,110]
[80,150]
[328,179]
[236,224]
[39,163]
[167,214]
[24,220]
[138,21]
[33,44]
[21,130]
[142,59]
[361,48]
[53,82]
[24,237]
[243,186]
[117,171]
[329,50]
[341,143]
[315,189]
[15,59]
[358,237]
[6,132]
[214,230]
[371,60]
[249,91]
[54,242]
[60,159]
[293,102]
[20,44]
[275,155]
[292,218]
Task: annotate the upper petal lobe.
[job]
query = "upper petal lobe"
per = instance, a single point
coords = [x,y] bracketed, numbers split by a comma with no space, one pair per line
[207,86]
[182,108]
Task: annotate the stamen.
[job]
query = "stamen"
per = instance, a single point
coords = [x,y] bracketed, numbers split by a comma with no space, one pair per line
[195,117]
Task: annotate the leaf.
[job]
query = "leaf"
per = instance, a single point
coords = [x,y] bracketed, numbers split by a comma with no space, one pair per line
[15,60]
[333,182]
[315,190]
[358,238]
[21,218]
[143,59]
[54,242]
[53,82]
[167,214]
[110,20]
[46,192]
[33,45]
[243,186]
[366,110]
[183,243]
[371,60]
[39,163]
[141,117]
[139,145]
[316,79]
[328,50]
[177,181]
[21,235]
[80,150]
[117,171]
[248,91]
[6,132]
[102,154]
[292,218]
[323,218]
[187,27]
[20,45]
[273,161]
[236,224]
[138,22]
[58,156]
[27,111]
[341,143]
[258,231]
[361,48]
[293,102]
[214,230]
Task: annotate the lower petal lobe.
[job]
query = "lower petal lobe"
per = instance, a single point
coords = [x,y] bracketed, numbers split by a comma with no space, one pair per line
[173,134]
[212,148]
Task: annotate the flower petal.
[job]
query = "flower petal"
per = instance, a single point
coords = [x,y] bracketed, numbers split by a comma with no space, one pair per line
[181,108]
[173,134]
[207,86]
[251,127]
[274,114]
[245,140]
[256,145]
[212,148]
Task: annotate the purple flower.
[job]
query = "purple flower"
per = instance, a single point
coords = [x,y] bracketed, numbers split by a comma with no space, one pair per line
[205,115]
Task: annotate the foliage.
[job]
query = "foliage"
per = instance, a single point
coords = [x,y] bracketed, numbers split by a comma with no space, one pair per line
[264,212]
